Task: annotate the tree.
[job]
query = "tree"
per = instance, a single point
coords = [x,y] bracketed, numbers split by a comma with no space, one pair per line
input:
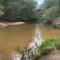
[20,9]
[50,9]
[1,8]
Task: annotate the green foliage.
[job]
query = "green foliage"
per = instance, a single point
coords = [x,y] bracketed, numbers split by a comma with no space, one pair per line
[57,44]
[1,8]
[26,10]
[45,47]
[50,8]
[18,9]
[48,45]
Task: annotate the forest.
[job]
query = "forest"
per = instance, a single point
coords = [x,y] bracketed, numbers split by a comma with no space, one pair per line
[28,10]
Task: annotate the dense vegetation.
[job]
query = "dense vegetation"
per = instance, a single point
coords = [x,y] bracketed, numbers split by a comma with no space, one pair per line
[26,10]
[17,10]
[49,10]
[48,45]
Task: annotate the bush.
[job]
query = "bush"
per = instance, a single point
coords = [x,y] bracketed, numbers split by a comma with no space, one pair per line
[48,45]
[57,44]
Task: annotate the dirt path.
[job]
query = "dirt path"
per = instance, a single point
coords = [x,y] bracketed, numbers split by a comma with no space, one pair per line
[54,55]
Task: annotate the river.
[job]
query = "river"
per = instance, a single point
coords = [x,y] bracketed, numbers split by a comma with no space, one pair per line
[13,37]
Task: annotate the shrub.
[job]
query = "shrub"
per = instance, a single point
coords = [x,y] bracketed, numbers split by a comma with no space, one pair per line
[57,44]
[48,45]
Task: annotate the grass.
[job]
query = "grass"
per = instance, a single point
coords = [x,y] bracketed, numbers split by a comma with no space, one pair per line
[48,45]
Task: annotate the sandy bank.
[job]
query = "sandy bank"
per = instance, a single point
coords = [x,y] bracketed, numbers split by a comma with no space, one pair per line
[9,24]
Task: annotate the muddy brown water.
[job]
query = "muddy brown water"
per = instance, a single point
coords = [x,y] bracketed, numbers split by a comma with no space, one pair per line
[12,37]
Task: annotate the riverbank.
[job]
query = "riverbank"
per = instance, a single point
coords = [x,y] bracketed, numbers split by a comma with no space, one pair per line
[54,55]
[5,24]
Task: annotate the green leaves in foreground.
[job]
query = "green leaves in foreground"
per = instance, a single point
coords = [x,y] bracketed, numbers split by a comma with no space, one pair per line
[57,44]
[48,45]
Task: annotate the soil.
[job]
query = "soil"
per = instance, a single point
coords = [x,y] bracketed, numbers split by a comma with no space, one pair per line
[54,55]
